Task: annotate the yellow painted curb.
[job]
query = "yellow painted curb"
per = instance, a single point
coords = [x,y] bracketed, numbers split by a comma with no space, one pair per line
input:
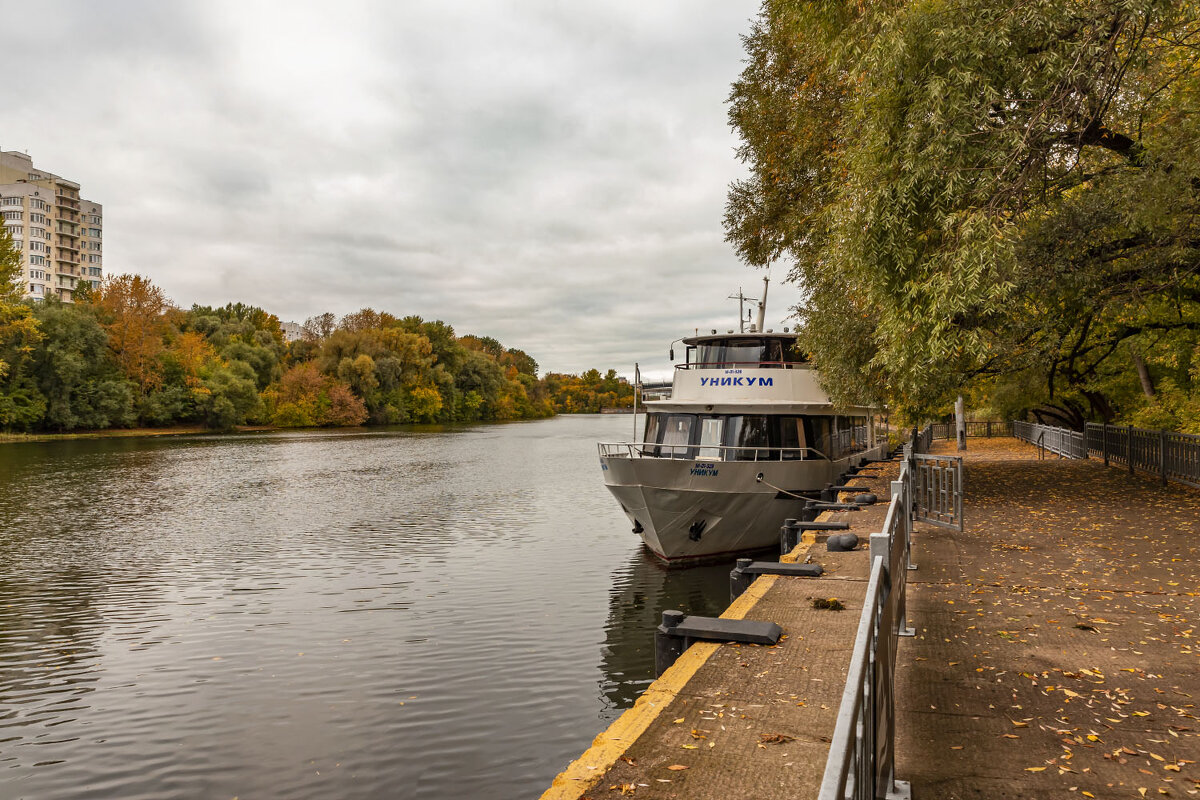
[582,773]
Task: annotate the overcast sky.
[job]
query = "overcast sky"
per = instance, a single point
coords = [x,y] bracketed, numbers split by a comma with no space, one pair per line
[550,174]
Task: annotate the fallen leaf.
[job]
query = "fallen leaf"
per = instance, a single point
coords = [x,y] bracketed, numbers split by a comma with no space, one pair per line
[775,738]
[676,767]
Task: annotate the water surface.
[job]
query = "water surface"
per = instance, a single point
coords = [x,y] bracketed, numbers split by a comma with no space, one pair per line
[417,614]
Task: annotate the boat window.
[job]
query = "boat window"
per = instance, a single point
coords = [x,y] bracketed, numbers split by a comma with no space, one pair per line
[651,428]
[791,438]
[748,432]
[769,352]
[677,435]
[711,429]
[819,433]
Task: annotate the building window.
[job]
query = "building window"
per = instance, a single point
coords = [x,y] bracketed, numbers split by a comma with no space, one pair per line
[95,233]
[95,220]
[37,261]
[10,201]
[38,218]
[13,214]
[16,230]
[38,247]
[36,288]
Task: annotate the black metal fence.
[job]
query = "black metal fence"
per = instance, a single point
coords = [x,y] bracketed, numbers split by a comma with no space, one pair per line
[1061,441]
[946,430]
[1171,456]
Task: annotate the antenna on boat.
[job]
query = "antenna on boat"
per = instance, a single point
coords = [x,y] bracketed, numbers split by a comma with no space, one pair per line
[741,298]
[762,304]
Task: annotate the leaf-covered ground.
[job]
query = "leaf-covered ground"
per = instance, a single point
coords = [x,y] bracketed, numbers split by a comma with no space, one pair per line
[1056,651]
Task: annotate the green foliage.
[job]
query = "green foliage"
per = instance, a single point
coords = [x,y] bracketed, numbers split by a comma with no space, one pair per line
[82,386]
[981,193]
[589,392]
[21,403]
[127,357]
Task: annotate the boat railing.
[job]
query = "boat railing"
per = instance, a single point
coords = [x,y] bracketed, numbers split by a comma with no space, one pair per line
[744,365]
[698,452]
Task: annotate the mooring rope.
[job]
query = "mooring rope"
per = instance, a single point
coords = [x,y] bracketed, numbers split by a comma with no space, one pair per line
[760,479]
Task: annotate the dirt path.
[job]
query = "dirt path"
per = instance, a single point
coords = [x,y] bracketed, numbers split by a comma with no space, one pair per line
[1057,653]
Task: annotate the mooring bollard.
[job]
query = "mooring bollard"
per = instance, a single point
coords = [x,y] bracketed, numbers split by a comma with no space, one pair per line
[789,536]
[866,499]
[841,542]
[739,579]
[741,576]
[667,647]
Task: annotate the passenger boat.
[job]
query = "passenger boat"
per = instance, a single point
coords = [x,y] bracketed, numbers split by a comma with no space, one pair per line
[746,437]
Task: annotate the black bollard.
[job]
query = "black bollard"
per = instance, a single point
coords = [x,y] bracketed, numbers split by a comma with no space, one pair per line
[667,648]
[866,499]
[739,579]
[789,536]
[841,542]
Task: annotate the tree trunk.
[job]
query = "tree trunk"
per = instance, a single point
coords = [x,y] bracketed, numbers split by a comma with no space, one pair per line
[1143,373]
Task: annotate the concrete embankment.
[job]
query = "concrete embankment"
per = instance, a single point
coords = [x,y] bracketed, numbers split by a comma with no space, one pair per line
[745,721]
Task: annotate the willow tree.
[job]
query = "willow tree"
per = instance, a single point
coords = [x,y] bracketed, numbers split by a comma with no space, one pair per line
[978,190]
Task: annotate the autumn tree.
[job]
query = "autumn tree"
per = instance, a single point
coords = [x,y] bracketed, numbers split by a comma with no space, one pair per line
[132,310]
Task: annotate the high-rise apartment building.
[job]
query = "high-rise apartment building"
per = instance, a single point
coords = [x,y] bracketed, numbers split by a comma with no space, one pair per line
[59,234]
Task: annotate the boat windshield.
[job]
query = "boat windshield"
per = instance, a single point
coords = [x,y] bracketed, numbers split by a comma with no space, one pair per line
[746,350]
[754,437]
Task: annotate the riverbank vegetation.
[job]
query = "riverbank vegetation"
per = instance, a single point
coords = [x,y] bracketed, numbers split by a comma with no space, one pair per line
[124,356]
[979,196]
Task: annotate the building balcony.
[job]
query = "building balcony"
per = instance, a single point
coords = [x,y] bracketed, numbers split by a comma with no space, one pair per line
[62,201]
[66,258]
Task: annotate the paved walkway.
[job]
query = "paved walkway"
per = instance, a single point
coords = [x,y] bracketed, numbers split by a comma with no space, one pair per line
[1057,653]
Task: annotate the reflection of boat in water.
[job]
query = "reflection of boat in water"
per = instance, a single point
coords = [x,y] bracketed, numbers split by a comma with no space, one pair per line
[723,461]
[641,592]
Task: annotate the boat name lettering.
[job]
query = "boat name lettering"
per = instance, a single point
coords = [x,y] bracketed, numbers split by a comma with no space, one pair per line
[737,381]
[705,470]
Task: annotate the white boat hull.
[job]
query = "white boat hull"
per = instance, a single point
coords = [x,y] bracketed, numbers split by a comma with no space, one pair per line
[686,509]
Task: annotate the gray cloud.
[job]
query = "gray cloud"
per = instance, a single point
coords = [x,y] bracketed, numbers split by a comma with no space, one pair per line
[552,174]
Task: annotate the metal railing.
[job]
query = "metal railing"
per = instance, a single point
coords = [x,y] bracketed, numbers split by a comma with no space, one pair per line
[946,430]
[1061,441]
[861,763]
[744,365]
[708,452]
[922,440]
[1171,456]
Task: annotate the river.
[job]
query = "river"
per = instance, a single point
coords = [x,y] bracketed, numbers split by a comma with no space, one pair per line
[437,613]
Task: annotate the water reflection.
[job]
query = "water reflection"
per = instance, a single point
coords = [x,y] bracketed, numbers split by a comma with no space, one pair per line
[641,591]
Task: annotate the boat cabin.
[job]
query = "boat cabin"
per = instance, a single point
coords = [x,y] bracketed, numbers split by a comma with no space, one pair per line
[730,402]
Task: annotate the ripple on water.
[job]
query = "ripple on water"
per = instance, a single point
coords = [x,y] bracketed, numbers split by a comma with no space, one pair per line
[310,614]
